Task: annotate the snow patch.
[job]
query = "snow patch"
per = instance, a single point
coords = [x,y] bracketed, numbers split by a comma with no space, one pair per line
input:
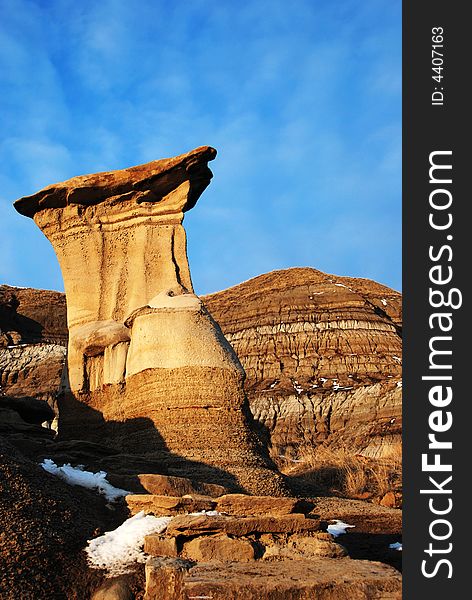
[338,528]
[209,513]
[87,479]
[384,302]
[396,546]
[116,551]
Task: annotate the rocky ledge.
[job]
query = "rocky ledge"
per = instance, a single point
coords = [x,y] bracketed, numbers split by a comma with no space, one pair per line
[324,579]
[283,554]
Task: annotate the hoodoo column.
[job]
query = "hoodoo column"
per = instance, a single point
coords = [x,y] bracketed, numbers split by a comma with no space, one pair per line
[144,354]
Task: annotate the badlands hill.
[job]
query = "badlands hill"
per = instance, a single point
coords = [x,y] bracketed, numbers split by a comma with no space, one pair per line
[322,355]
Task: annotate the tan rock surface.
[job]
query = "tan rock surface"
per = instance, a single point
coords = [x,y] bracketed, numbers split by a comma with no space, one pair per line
[148,367]
[365,516]
[158,545]
[323,579]
[218,547]
[114,589]
[388,500]
[191,525]
[108,222]
[322,355]
[168,505]
[299,546]
[165,578]
[178,486]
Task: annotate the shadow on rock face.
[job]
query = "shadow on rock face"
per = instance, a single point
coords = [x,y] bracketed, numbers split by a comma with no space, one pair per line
[125,449]
[25,328]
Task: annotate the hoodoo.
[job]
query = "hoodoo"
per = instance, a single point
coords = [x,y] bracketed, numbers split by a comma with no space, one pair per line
[148,368]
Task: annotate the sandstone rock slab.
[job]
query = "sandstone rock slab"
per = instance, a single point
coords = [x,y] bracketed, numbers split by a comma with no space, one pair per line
[299,546]
[158,545]
[178,486]
[323,579]
[219,547]
[168,505]
[165,578]
[117,588]
[189,525]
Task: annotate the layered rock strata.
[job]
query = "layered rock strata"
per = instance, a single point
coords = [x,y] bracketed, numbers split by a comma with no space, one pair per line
[29,316]
[148,367]
[232,556]
[322,355]
[33,336]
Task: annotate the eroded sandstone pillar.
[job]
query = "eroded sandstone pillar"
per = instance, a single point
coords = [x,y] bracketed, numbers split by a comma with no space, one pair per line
[147,365]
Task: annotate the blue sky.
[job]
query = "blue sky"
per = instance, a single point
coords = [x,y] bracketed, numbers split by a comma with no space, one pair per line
[301,98]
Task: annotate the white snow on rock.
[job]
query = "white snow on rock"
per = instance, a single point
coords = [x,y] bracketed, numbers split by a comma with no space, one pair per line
[396,546]
[338,528]
[116,551]
[384,302]
[92,481]
[209,513]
